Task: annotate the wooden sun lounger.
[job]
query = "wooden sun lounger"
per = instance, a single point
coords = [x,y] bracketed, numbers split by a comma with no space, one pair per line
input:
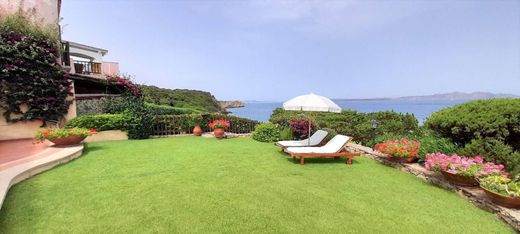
[342,153]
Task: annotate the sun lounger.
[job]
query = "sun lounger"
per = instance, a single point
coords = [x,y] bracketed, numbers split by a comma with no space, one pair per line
[335,148]
[315,140]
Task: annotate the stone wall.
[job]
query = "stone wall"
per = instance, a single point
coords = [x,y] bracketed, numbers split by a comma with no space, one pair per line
[474,195]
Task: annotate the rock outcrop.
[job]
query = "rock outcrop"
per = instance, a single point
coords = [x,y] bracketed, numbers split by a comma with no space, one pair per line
[231,104]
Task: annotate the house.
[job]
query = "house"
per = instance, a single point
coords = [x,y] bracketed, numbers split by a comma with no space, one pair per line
[85,65]
[88,70]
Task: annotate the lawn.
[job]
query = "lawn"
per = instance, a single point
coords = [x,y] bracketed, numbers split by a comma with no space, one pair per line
[189,184]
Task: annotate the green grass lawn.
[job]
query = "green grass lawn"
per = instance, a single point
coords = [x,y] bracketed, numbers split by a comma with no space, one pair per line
[188,184]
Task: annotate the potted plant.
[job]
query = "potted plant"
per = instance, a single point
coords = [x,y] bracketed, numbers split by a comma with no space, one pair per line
[400,150]
[219,126]
[63,136]
[502,190]
[196,121]
[460,170]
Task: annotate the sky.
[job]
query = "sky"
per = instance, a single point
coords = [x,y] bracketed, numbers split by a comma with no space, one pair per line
[275,50]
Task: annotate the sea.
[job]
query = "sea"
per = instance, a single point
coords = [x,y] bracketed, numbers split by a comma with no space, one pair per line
[261,111]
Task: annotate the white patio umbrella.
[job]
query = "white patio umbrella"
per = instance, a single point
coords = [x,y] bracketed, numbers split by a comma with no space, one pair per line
[311,102]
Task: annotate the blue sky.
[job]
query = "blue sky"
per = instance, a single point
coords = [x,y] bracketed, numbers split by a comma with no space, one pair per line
[274,50]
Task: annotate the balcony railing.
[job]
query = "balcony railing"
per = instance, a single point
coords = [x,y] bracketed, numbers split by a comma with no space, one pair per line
[87,67]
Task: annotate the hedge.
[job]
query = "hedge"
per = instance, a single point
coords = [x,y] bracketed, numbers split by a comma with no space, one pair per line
[353,123]
[101,122]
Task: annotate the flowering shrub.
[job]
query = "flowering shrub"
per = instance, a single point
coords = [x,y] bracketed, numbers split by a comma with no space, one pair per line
[30,73]
[401,148]
[55,133]
[502,185]
[219,123]
[463,166]
[126,83]
[300,127]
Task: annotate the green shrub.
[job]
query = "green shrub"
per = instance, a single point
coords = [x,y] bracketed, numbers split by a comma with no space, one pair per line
[170,110]
[355,124]
[495,151]
[101,122]
[286,134]
[497,119]
[266,132]
[140,117]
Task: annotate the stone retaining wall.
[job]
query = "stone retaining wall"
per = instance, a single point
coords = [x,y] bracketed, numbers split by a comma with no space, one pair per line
[474,195]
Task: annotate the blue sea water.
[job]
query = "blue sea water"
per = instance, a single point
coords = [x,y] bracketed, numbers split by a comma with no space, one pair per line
[261,111]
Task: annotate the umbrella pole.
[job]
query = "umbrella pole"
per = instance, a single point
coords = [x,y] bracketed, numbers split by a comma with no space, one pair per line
[309,134]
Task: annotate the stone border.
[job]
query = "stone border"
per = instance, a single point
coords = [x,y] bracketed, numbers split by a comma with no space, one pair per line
[23,171]
[474,195]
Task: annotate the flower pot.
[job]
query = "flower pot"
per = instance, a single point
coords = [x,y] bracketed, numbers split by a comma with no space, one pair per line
[78,68]
[197,131]
[506,201]
[219,133]
[402,160]
[460,180]
[71,140]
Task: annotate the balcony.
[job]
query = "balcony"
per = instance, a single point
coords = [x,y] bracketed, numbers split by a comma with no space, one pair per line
[89,68]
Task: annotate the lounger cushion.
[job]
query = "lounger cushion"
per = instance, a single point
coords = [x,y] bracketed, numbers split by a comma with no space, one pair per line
[315,139]
[333,146]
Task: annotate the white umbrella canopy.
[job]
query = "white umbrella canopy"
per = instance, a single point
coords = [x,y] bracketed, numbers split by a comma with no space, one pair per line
[311,102]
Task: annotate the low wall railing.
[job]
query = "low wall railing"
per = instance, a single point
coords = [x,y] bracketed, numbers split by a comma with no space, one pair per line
[166,125]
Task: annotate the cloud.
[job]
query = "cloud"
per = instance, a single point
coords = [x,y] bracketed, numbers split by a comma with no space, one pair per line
[327,17]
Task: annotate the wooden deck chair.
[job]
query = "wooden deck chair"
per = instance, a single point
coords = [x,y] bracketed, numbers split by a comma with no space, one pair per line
[316,139]
[335,148]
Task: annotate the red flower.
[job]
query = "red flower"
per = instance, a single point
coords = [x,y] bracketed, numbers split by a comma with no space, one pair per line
[219,123]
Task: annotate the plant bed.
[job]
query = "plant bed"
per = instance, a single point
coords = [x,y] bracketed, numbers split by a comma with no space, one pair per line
[502,190]
[460,180]
[460,170]
[401,159]
[64,137]
[399,150]
[64,141]
[505,201]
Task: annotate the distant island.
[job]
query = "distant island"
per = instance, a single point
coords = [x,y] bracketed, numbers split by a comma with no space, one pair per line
[231,104]
[445,97]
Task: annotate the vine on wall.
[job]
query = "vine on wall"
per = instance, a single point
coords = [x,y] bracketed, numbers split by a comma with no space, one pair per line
[31,73]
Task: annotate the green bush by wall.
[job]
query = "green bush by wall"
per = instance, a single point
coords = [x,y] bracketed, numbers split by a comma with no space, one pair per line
[101,122]
[266,132]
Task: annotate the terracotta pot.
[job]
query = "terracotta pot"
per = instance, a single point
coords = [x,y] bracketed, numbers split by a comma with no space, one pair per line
[71,140]
[219,133]
[78,68]
[506,201]
[197,131]
[460,180]
[402,160]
